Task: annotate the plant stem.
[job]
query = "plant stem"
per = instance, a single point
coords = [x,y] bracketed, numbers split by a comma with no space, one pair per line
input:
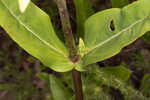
[70,42]
[77,85]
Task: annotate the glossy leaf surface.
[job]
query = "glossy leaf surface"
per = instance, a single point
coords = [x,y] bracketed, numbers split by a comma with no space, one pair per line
[107,32]
[33,31]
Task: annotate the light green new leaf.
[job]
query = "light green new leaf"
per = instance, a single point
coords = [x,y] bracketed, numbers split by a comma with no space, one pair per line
[119,3]
[83,11]
[23,5]
[33,31]
[59,91]
[107,32]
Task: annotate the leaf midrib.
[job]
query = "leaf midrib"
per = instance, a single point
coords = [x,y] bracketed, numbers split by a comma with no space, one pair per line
[114,36]
[28,29]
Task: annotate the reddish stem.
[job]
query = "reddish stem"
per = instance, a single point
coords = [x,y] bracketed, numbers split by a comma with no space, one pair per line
[77,85]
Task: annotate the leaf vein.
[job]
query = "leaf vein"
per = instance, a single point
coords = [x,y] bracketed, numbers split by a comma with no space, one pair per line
[112,37]
[45,42]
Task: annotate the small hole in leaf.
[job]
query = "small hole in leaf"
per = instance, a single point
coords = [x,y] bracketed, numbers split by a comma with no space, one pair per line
[112,26]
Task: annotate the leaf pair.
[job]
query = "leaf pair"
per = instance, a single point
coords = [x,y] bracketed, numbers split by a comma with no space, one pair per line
[106,32]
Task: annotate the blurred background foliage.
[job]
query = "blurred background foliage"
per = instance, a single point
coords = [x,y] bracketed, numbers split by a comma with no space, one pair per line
[125,76]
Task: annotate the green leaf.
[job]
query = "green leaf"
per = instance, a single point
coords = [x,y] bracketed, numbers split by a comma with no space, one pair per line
[33,31]
[146,37]
[79,66]
[43,76]
[81,47]
[120,72]
[145,86]
[107,32]
[59,91]
[119,3]
[23,5]
[83,11]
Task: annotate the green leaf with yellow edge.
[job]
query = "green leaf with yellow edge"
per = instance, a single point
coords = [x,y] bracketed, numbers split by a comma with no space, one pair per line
[33,31]
[108,31]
